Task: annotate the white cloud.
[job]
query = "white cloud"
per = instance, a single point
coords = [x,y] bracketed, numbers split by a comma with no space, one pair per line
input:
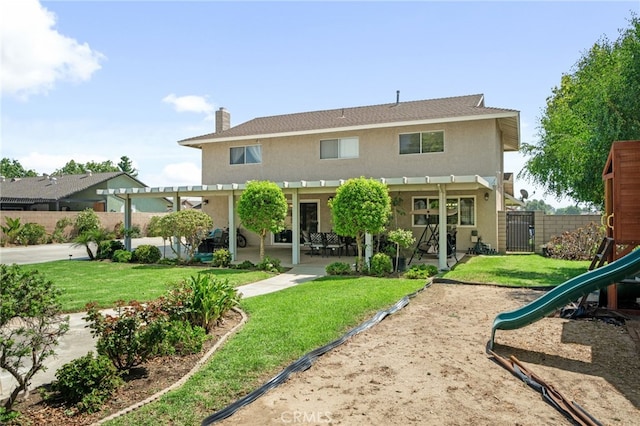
[35,55]
[173,174]
[48,163]
[190,103]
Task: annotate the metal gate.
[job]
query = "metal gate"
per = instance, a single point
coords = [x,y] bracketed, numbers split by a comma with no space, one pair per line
[520,231]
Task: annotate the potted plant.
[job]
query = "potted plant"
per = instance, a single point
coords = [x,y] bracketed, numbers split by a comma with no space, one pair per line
[403,238]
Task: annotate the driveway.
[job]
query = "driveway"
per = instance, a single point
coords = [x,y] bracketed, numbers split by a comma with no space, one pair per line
[49,252]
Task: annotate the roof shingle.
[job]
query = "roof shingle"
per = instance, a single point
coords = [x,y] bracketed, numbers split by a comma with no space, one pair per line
[461,106]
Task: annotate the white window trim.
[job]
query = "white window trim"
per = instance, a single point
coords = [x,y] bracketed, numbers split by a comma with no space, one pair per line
[245,155]
[456,197]
[444,142]
[339,157]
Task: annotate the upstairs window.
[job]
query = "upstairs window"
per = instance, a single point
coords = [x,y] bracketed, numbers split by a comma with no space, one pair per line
[339,148]
[251,154]
[421,143]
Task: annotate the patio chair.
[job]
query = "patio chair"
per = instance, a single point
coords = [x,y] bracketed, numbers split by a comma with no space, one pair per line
[332,243]
[316,243]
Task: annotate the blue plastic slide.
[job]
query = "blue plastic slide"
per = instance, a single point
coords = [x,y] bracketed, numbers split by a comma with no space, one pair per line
[567,292]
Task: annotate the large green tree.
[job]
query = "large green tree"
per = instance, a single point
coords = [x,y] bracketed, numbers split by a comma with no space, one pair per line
[11,168]
[360,206]
[596,104]
[262,208]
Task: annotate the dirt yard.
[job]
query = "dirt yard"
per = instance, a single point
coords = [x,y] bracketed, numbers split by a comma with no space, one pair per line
[427,364]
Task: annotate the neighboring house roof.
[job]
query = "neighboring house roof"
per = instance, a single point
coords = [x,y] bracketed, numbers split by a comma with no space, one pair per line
[461,108]
[46,189]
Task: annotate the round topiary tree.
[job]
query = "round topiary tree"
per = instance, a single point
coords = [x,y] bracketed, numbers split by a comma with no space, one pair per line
[262,208]
[361,205]
[190,227]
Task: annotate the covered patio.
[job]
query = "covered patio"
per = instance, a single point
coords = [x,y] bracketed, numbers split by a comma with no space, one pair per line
[295,252]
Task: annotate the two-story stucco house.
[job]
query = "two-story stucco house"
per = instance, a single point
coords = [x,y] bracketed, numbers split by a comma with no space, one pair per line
[430,153]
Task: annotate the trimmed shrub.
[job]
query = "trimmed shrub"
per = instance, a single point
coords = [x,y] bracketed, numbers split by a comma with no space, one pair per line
[121,256]
[106,249]
[338,268]
[417,272]
[221,257]
[247,264]
[147,253]
[269,264]
[87,382]
[381,265]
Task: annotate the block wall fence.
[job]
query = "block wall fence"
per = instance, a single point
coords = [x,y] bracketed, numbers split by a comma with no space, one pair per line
[546,226]
[48,219]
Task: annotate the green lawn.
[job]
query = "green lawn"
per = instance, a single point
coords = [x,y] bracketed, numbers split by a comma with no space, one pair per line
[83,281]
[517,270]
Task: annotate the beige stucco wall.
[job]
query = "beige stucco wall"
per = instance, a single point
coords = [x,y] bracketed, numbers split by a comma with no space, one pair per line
[470,148]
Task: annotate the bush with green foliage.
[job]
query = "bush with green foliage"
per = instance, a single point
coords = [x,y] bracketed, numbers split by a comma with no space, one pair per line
[153,227]
[190,227]
[221,257]
[86,221]
[147,253]
[245,264]
[338,268]
[418,272]
[87,382]
[202,300]
[30,303]
[269,264]
[59,235]
[106,249]
[580,244]
[11,230]
[181,338]
[134,231]
[381,265]
[87,238]
[129,337]
[32,234]
[121,256]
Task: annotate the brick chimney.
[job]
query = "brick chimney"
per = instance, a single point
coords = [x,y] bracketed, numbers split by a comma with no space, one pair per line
[223,120]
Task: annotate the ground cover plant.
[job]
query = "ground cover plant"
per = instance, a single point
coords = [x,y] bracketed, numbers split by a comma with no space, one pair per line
[105,282]
[517,270]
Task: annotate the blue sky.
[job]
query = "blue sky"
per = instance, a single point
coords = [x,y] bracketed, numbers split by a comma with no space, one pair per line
[89,80]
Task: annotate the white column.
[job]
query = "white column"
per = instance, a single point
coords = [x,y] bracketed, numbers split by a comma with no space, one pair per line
[295,228]
[368,248]
[176,208]
[233,246]
[442,228]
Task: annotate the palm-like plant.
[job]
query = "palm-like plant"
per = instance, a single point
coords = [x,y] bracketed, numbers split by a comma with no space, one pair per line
[95,236]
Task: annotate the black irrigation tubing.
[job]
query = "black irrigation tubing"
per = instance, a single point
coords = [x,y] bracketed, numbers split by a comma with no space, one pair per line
[306,361]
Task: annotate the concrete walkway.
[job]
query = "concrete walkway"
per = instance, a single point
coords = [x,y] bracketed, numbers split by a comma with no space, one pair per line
[78,341]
